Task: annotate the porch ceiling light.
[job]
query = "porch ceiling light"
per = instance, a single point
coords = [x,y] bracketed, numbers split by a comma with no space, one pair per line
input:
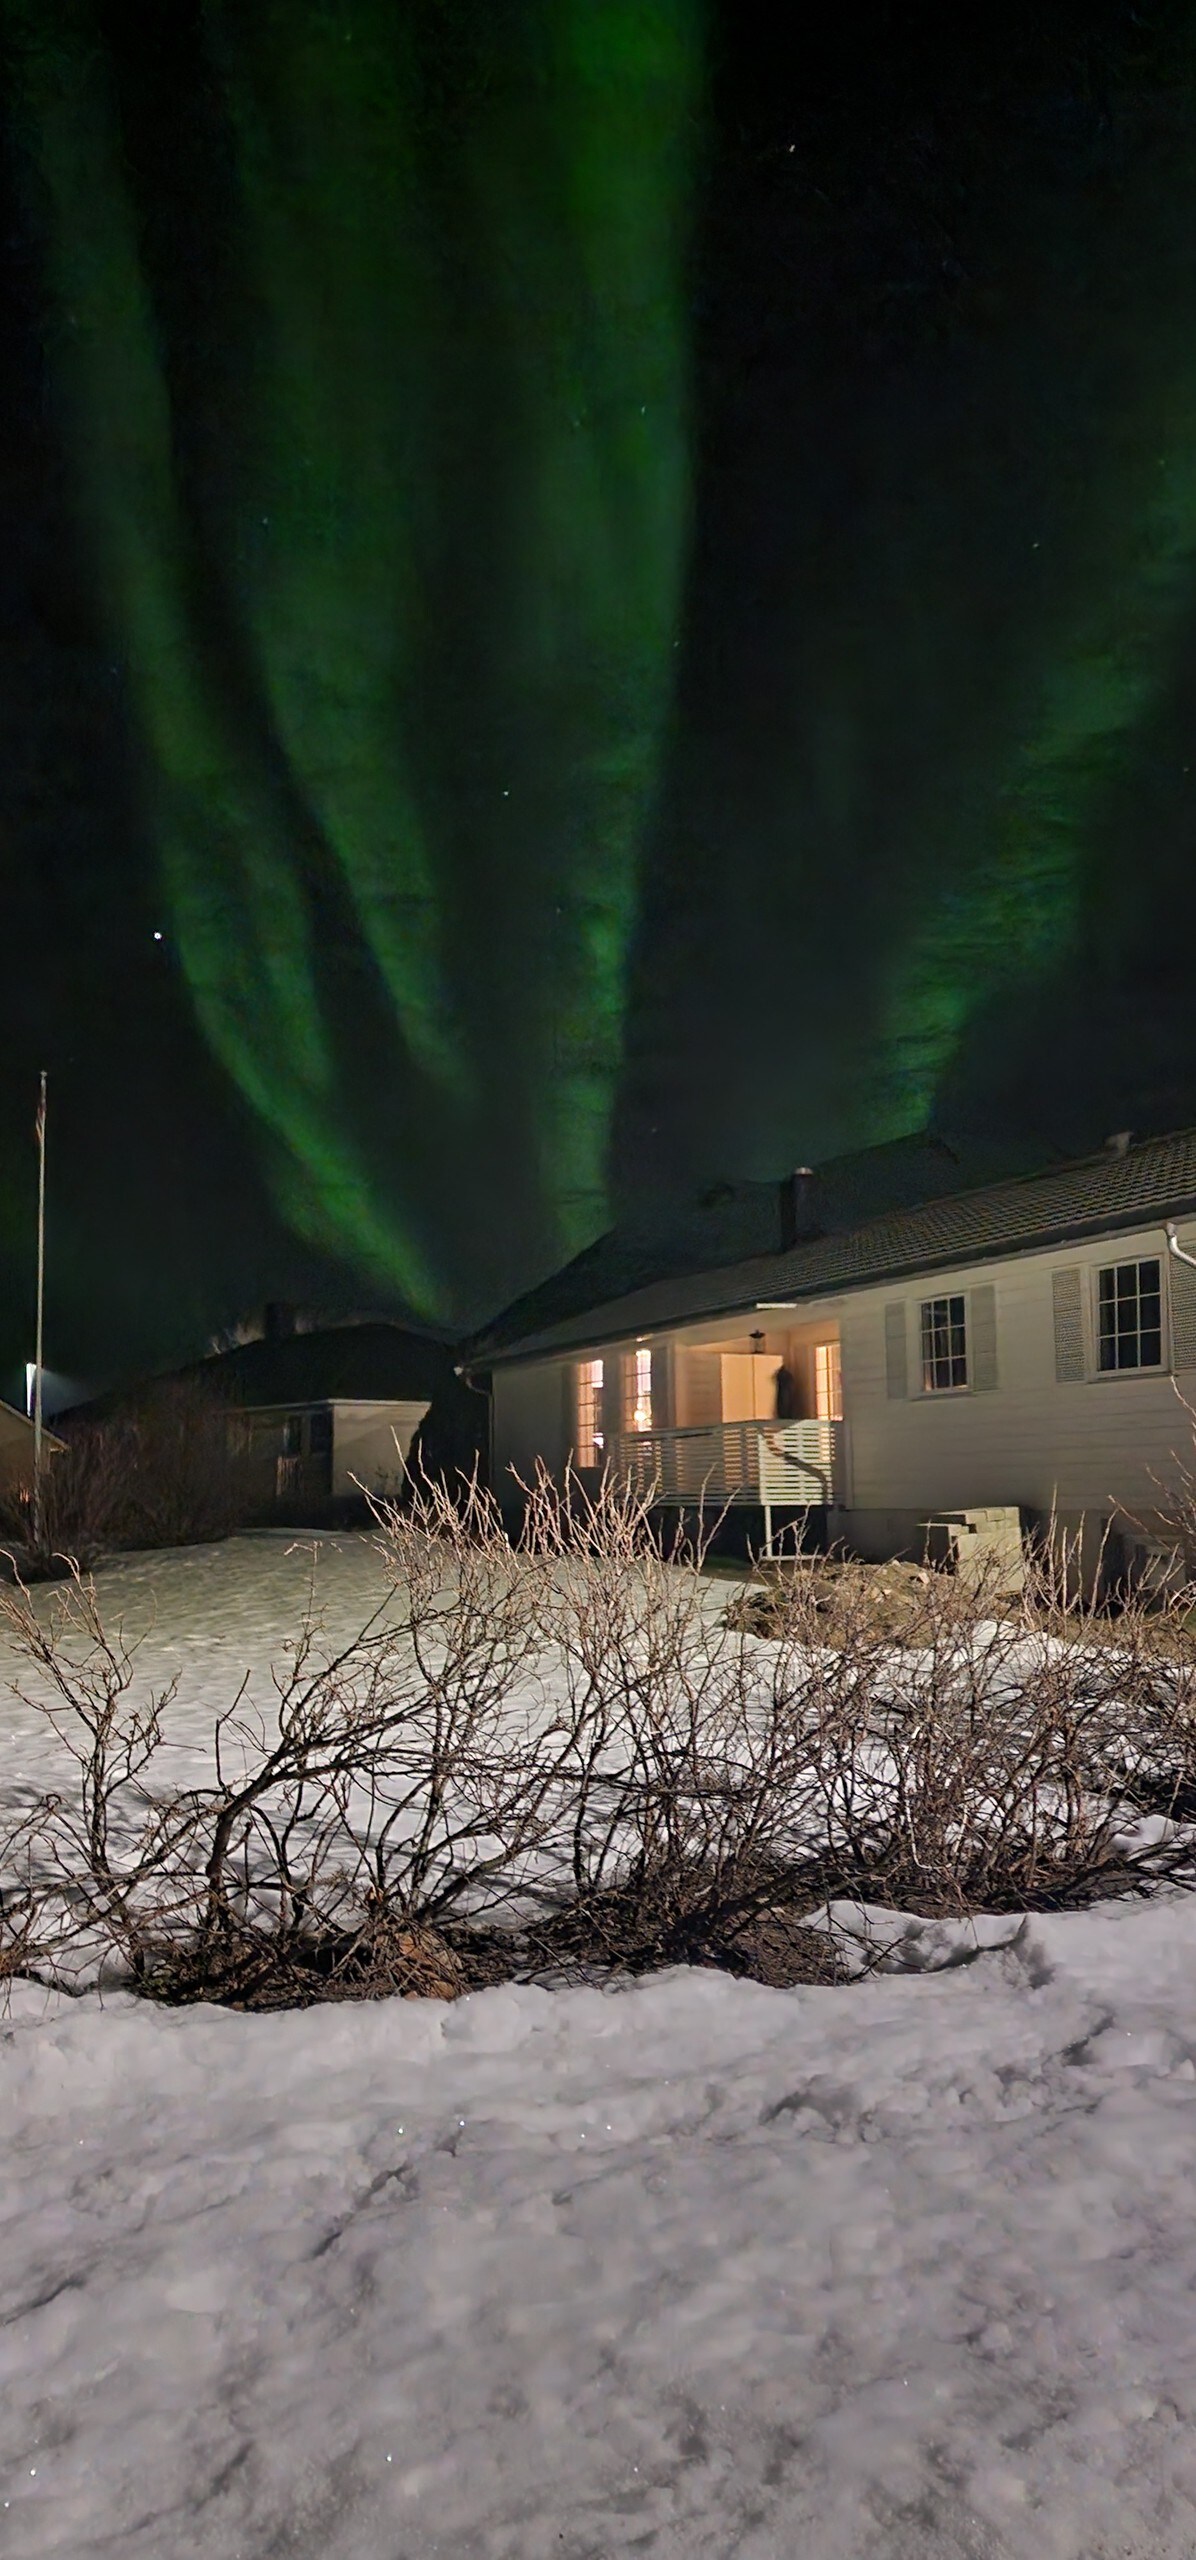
[788,1306]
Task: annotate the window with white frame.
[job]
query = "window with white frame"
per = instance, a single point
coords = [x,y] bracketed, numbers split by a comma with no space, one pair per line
[944,1344]
[637,1389]
[588,1433]
[1129,1315]
[828,1382]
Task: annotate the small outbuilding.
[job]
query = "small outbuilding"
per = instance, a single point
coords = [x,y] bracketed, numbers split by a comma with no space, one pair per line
[318,1417]
[326,1416]
[16,1450]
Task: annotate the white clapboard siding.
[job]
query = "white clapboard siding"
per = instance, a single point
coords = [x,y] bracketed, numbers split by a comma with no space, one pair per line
[1048,1432]
[533,1418]
[370,1444]
[982,1338]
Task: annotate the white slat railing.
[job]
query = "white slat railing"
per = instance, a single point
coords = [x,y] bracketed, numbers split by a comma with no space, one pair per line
[776,1464]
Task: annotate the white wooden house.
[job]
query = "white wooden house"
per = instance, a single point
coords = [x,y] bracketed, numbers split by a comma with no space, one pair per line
[1018,1344]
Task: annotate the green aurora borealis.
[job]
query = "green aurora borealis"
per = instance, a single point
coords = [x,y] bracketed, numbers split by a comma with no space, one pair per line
[1016,910]
[428,584]
[380,340]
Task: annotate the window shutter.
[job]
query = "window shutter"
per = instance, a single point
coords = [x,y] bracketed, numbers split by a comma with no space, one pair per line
[982,1336]
[1183,1313]
[896,1358]
[1067,1289]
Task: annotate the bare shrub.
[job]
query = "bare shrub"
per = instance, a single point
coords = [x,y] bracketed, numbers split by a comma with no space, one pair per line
[246,1966]
[1149,1638]
[563,1755]
[394,1781]
[1170,1524]
[844,1597]
[982,1763]
[88,1862]
[683,1762]
[162,1472]
[187,1481]
[405,1777]
[83,1498]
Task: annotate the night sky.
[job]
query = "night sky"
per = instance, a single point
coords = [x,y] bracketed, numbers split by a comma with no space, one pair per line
[616,581]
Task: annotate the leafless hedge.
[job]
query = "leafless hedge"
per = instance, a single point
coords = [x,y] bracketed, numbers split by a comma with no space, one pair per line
[162,1472]
[573,1752]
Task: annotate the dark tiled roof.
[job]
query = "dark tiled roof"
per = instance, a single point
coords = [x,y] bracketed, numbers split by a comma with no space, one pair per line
[374,1361]
[354,1360]
[734,1222]
[731,1222]
[1087,1197]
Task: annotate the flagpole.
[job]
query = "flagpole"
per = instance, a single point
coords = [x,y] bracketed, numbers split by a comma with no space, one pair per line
[41,1303]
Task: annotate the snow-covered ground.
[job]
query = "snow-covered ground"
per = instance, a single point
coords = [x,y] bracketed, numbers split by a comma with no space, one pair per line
[203,1616]
[903,2270]
[900,2271]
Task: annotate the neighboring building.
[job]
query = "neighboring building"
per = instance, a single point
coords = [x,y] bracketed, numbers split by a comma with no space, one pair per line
[323,1414]
[16,1450]
[1017,1343]
[316,1415]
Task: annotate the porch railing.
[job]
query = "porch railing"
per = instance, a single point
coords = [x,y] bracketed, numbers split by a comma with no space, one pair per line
[776,1465]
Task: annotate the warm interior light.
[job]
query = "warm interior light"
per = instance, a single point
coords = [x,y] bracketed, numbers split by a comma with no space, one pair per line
[828,1382]
[589,1435]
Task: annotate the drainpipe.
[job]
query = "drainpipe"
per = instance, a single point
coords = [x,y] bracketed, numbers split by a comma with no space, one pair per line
[464,1370]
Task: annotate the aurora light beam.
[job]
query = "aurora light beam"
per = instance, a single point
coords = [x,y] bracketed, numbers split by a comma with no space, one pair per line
[1013,910]
[384,450]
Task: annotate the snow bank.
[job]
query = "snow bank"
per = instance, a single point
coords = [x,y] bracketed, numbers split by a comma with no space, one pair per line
[898,2271]
[903,2271]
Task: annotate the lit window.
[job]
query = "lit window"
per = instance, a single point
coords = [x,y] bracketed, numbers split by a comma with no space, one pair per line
[828,1382]
[944,1344]
[637,1378]
[1129,1304]
[589,1437]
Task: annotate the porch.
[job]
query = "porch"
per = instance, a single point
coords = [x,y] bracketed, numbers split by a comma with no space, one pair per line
[771,1466]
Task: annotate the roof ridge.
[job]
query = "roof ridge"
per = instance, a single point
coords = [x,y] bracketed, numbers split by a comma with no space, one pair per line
[903,1238]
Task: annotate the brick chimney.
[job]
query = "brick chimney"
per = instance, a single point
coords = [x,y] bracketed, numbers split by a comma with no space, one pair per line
[798,1223]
